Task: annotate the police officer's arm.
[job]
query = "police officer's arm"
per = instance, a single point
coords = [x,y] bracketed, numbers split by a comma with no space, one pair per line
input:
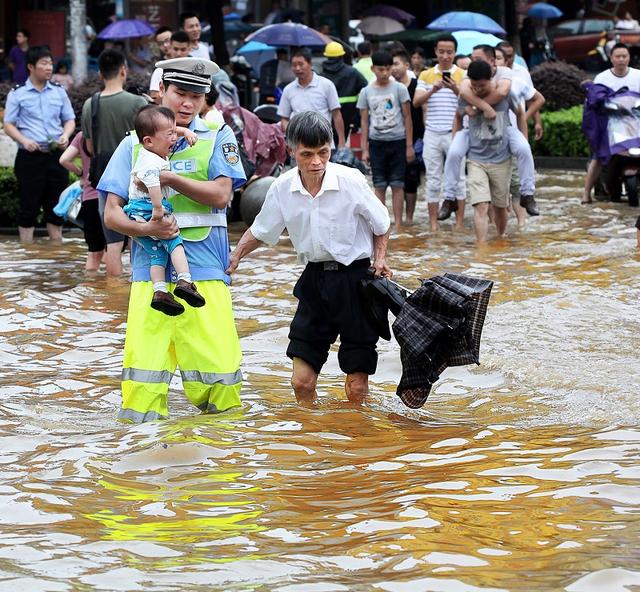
[216,193]
[247,244]
[14,133]
[116,219]
[67,130]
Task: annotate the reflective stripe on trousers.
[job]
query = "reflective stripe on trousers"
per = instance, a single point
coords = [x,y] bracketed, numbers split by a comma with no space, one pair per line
[202,341]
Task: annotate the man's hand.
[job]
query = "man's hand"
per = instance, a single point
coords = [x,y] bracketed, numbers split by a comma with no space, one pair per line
[381,269]
[30,145]
[165,228]
[451,85]
[63,141]
[437,85]
[190,137]
[538,131]
[489,113]
[365,155]
[166,177]
[157,213]
[233,263]
[411,155]
[471,111]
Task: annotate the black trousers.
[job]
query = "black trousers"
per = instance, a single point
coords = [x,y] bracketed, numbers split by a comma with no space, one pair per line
[41,180]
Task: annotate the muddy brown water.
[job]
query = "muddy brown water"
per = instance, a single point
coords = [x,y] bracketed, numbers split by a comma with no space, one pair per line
[519,474]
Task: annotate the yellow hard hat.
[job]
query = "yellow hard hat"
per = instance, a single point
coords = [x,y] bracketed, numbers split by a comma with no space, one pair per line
[333,50]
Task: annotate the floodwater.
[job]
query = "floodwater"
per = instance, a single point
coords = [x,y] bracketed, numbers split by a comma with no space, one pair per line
[519,474]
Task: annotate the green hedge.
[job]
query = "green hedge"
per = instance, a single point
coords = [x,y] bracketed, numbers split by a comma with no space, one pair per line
[9,197]
[562,134]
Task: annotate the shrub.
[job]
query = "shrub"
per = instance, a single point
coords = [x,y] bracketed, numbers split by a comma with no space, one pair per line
[562,134]
[5,87]
[559,82]
[8,198]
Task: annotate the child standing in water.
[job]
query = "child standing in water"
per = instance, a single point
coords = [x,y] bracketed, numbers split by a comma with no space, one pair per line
[156,130]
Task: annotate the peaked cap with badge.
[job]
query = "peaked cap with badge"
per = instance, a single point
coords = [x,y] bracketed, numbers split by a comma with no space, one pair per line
[191,74]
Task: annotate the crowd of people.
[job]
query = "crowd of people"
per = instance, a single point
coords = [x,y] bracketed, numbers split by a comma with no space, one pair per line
[161,170]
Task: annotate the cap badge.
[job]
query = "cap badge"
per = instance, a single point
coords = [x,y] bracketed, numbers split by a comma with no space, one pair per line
[198,69]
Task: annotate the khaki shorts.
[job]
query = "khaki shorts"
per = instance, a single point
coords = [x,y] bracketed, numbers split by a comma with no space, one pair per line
[489,182]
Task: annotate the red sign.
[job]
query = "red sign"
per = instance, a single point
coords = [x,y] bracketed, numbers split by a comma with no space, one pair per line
[46,27]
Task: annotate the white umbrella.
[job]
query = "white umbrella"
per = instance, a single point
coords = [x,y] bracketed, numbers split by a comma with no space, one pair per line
[379,25]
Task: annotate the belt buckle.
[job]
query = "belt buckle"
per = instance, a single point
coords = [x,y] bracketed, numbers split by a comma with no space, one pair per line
[330,266]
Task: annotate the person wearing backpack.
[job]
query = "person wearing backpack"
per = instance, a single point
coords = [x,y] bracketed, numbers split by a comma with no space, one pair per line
[106,119]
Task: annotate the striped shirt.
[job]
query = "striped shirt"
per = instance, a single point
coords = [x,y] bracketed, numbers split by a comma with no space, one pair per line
[442,104]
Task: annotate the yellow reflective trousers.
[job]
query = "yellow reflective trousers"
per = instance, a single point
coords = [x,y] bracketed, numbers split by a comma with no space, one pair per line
[203,342]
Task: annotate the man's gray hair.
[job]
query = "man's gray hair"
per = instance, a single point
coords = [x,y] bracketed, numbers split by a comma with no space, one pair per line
[309,129]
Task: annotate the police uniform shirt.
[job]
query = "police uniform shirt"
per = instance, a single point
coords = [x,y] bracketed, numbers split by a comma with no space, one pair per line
[337,224]
[208,259]
[39,115]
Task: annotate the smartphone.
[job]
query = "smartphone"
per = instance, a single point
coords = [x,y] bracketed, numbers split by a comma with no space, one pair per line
[446,76]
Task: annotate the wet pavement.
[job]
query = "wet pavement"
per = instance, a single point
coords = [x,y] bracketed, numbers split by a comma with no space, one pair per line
[519,474]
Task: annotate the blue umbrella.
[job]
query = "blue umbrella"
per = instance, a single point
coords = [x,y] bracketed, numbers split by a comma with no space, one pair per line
[467,40]
[257,53]
[542,10]
[466,21]
[288,34]
[232,16]
[125,29]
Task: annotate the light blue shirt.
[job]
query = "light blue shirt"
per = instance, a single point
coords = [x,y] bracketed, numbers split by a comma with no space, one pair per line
[39,114]
[208,259]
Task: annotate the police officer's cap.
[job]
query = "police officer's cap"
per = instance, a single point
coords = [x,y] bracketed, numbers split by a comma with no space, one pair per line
[192,74]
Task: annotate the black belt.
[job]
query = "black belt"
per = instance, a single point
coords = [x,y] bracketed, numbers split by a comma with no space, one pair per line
[335,266]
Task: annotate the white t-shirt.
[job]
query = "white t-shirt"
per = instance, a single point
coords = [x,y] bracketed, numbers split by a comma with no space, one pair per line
[147,168]
[202,51]
[631,79]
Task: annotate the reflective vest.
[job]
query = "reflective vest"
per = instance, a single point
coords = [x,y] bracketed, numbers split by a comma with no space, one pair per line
[194,219]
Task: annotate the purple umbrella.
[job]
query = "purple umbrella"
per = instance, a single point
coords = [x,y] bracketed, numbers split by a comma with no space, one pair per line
[391,12]
[288,34]
[125,29]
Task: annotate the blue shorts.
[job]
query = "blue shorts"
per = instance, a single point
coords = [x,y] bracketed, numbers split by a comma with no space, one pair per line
[158,249]
[388,162]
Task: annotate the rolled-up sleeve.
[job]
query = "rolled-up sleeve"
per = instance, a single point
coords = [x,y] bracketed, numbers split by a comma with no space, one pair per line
[67,109]
[284,106]
[269,223]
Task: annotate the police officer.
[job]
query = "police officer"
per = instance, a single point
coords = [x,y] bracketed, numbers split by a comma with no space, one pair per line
[39,117]
[203,342]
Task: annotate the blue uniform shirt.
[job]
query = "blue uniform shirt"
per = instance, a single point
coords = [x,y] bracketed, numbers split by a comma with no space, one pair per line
[208,259]
[39,114]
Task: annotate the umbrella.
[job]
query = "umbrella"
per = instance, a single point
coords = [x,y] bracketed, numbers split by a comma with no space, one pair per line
[257,53]
[379,25]
[466,21]
[542,10]
[126,28]
[411,35]
[232,16]
[467,40]
[289,34]
[391,12]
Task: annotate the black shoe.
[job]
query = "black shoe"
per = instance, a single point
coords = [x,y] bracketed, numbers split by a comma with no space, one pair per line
[448,207]
[529,203]
[166,303]
[189,293]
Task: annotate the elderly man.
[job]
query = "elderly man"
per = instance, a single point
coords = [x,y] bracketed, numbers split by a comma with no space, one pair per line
[336,225]
[204,342]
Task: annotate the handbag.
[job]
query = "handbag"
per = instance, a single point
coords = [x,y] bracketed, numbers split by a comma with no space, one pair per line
[69,204]
[99,160]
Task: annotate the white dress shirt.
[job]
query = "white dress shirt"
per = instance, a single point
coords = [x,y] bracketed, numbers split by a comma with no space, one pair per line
[338,224]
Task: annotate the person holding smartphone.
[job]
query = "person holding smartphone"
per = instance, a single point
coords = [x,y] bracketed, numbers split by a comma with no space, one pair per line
[438,89]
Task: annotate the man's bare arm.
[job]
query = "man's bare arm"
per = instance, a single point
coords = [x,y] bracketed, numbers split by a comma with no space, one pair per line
[380,242]
[216,193]
[247,244]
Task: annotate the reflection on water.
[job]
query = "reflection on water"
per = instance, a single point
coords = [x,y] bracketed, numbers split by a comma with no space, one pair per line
[520,474]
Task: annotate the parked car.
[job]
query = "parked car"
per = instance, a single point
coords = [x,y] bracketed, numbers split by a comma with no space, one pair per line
[574,39]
